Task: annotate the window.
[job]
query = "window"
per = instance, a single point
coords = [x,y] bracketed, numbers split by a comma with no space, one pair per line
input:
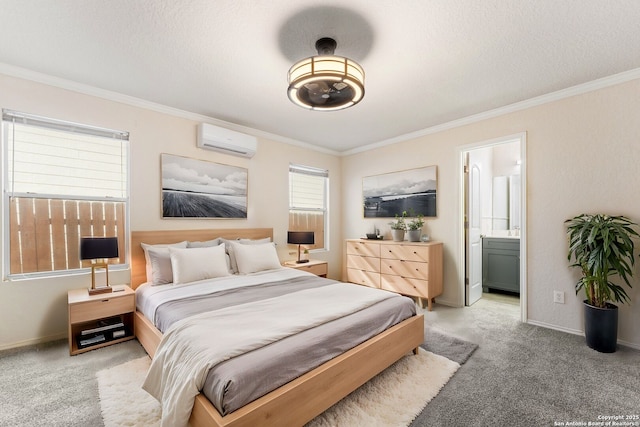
[308,202]
[62,181]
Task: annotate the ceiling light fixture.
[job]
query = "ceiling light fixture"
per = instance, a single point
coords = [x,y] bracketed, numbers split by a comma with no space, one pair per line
[326,82]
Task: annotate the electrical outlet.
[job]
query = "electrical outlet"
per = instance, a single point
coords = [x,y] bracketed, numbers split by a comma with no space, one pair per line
[558,297]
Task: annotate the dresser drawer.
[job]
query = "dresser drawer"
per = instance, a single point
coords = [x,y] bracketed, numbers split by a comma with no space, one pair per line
[366,263]
[405,286]
[406,252]
[363,248]
[412,269]
[362,277]
[100,308]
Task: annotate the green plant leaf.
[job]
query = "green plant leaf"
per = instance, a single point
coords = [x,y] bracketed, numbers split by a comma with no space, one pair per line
[603,248]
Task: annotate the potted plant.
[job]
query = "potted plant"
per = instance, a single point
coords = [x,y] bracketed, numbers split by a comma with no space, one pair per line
[398,227]
[414,228]
[602,247]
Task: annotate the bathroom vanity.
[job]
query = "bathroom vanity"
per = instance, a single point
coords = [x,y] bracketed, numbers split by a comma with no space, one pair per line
[501,264]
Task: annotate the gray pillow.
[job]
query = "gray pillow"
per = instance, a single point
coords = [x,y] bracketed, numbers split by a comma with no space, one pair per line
[205,244]
[159,270]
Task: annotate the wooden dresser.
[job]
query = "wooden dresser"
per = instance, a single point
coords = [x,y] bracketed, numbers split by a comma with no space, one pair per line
[408,268]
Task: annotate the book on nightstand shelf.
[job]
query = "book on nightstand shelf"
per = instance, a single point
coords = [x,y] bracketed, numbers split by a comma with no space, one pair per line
[105,325]
[93,340]
[102,331]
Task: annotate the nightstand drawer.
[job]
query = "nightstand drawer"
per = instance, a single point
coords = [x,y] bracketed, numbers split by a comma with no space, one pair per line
[317,269]
[100,308]
[314,266]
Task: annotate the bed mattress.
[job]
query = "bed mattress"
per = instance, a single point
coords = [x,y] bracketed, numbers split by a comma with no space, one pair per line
[237,381]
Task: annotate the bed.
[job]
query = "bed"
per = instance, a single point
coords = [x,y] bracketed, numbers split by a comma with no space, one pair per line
[300,400]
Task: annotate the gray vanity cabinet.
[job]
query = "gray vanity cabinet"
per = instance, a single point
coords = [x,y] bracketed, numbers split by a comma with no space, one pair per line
[501,264]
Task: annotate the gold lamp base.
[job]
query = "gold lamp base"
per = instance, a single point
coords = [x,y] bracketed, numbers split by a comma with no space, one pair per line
[103,289]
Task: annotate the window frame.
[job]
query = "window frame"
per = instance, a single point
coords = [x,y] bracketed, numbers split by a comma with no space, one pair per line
[314,171]
[7,193]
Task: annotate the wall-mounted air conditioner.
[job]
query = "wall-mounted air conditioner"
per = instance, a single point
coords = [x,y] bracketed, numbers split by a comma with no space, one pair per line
[226,141]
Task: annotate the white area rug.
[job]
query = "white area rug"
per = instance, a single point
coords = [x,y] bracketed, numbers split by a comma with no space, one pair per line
[123,402]
[391,399]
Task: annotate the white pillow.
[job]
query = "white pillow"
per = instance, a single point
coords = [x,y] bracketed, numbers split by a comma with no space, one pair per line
[158,262]
[193,264]
[255,257]
[232,256]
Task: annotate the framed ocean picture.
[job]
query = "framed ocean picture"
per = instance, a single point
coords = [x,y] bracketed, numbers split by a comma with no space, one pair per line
[199,189]
[390,194]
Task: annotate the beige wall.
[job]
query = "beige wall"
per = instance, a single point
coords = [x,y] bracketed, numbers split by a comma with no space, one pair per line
[582,156]
[36,310]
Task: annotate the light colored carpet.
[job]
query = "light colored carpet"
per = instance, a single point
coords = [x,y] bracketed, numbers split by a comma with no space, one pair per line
[393,398]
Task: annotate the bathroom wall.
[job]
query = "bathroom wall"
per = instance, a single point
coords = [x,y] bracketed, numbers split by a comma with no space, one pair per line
[505,165]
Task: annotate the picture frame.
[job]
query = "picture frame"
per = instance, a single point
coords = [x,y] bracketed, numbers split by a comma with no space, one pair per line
[194,188]
[413,191]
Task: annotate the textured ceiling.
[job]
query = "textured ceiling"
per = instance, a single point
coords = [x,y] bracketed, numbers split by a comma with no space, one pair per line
[426,62]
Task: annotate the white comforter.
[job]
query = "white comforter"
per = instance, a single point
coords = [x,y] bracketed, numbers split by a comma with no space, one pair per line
[149,298]
[195,344]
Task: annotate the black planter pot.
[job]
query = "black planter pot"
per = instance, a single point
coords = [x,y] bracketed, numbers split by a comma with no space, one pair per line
[601,327]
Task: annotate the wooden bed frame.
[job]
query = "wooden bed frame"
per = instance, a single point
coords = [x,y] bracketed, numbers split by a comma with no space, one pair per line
[304,398]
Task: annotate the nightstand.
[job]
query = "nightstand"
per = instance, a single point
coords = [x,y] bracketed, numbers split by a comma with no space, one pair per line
[317,267]
[99,320]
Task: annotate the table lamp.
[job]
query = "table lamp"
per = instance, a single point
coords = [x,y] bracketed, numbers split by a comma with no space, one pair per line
[98,250]
[300,238]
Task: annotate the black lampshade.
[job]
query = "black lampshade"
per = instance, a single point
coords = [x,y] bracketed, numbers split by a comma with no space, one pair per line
[98,247]
[300,237]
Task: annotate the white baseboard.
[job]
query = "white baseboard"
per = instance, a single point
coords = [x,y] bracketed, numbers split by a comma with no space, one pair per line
[555,327]
[448,303]
[34,341]
[578,332]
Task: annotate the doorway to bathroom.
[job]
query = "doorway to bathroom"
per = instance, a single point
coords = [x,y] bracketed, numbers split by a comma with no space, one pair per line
[493,223]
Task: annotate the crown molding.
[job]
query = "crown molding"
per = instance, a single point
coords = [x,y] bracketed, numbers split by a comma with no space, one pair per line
[58,82]
[580,89]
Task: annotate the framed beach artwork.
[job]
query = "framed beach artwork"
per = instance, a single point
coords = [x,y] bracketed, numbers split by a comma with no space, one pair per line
[390,194]
[199,189]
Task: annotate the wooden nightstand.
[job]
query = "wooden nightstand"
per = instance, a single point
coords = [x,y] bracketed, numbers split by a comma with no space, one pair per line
[99,320]
[317,267]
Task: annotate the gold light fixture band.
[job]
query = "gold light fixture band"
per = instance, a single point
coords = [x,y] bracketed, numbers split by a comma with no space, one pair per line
[326,82]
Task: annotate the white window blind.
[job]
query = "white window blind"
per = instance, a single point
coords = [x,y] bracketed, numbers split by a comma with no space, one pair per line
[63,181]
[51,157]
[308,202]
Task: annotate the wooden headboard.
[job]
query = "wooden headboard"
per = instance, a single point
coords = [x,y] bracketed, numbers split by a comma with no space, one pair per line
[138,267]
